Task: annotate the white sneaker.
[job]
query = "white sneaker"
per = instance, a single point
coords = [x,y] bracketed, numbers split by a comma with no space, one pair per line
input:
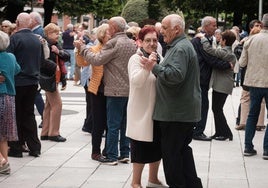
[107,161]
[123,159]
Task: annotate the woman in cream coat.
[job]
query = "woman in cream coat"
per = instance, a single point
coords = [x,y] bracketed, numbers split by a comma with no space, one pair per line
[144,139]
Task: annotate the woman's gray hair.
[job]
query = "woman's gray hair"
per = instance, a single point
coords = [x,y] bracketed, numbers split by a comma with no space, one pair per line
[4,41]
[120,22]
[6,22]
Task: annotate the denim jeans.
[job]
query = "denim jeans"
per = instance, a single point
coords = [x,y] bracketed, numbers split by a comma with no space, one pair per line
[201,125]
[116,124]
[39,103]
[72,62]
[256,96]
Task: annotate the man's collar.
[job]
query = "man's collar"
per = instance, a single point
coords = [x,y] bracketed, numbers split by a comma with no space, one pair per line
[175,41]
[35,27]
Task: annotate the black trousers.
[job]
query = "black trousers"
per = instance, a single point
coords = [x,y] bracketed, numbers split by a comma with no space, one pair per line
[25,118]
[178,160]
[88,120]
[221,126]
[201,125]
[98,111]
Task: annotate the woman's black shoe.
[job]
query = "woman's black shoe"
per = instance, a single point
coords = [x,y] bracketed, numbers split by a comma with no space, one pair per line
[58,138]
[44,137]
[15,154]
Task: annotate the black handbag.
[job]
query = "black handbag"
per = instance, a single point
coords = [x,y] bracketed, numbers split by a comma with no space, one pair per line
[47,77]
[48,67]
[48,82]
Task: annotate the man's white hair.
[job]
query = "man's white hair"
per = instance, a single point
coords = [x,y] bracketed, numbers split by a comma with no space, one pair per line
[207,20]
[70,26]
[120,22]
[37,17]
[176,19]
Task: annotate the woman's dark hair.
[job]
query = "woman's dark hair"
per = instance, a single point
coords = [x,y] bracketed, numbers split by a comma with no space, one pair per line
[229,37]
[147,29]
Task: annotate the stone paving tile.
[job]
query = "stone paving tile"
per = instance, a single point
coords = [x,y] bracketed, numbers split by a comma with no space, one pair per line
[227,183]
[68,165]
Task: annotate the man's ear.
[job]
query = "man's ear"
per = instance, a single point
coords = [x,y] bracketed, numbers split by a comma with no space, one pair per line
[224,41]
[178,29]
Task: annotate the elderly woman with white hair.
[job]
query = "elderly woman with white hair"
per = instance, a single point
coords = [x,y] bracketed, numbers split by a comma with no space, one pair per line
[6,27]
[8,129]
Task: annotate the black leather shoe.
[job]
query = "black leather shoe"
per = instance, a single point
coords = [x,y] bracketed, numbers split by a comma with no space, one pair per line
[58,138]
[214,136]
[44,137]
[84,129]
[202,137]
[34,153]
[222,138]
[14,154]
[265,155]
[250,152]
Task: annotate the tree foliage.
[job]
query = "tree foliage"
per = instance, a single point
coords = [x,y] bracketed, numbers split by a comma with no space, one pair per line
[107,9]
[101,8]
[154,9]
[233,12]
[135,10]
[11,8]
[73,7]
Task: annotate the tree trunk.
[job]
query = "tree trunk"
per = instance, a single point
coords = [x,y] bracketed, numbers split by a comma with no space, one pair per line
[13,9]
[237,19]
[48,10]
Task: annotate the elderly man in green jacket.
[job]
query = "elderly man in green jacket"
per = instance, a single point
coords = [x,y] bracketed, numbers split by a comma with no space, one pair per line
[178,103]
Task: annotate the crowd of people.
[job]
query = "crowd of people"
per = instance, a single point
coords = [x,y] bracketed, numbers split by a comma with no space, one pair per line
[146,89]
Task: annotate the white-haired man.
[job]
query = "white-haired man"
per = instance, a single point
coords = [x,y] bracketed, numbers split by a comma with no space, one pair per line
[178,103]
[114,56]
[27,48]
[206,63]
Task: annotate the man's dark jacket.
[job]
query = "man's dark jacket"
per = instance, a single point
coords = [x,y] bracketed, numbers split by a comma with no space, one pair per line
[207,62]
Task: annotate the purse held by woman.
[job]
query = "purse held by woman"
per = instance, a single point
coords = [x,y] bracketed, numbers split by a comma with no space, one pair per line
[47,79]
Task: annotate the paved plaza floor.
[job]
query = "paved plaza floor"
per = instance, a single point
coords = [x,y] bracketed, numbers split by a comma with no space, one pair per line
[220,164]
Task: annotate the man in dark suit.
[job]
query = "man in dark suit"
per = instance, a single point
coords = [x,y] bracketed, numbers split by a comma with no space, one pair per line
[206,63]
[28,51]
